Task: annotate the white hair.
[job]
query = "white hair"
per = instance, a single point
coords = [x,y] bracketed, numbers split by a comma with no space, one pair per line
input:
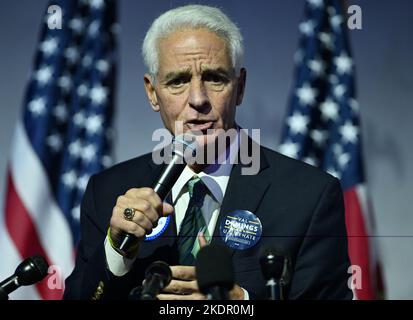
[193,17]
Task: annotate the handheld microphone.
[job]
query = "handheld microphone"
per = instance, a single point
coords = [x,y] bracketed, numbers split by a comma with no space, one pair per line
[157,276]
[276,270]
[167,179]
[214,272]
[28,272]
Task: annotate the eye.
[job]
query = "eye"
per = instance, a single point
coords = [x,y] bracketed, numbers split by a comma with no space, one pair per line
[178,82]
[215,78]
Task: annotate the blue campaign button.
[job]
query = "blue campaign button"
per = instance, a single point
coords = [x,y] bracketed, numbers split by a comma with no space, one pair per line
[240,229]
[160,228]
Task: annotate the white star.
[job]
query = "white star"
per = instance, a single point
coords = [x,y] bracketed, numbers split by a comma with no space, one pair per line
[319,137]
[98,94]
[315,3]
[107,161]
[82,90]
[331,11]
[338,149]
[327,39]
[329,110]
[55,143]
[43,75]
[96,4]
[72,55]
[354,105]
[298,123]
[334,173]
[343,63]
[79,119]
[317,67]
[60,112]
[82,182]
[89,153]
[343,160]
[37,106]
[75,148]
[289,149]
[49,46]
[87,61]
[69,179]
[77,25]
[336,21]
[94,124]
[339,90]
[349,132]
[65,82]
[298,56]
[93,28]
[102,66]
[76,213]
[306,94]
[333,79]
[307,27]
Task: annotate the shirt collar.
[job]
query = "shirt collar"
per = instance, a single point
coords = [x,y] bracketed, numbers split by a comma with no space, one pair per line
[214,176]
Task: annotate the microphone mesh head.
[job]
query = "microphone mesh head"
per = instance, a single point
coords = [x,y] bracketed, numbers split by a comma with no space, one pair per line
[162,269]
[214,268]
[32,270]
[272,262]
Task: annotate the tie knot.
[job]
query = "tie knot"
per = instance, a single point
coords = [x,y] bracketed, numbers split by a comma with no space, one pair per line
[197,191]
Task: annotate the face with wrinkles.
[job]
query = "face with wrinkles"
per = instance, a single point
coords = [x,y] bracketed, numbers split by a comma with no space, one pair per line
[196,83]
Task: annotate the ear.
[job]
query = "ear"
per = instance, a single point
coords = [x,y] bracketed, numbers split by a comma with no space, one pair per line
[150,92]
[241,85]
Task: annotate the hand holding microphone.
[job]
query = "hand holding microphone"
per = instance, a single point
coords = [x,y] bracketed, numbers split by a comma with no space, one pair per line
[137,212]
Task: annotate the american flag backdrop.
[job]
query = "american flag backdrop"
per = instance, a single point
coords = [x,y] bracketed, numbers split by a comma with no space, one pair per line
[322,126]
[63,137]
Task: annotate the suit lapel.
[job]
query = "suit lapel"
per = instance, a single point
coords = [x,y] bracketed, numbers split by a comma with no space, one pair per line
[244,192]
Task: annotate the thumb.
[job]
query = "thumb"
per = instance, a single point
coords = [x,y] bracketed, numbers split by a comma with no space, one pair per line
[167,209]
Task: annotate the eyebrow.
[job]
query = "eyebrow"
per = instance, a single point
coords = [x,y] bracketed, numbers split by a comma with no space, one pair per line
[184,73]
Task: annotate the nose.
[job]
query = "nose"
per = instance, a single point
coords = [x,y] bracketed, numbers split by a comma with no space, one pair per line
[198,96]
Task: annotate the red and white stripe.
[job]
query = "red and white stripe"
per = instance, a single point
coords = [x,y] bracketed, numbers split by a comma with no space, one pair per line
[33,223]
[362,248]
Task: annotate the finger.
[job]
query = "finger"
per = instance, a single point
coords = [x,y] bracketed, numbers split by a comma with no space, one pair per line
[130,227]
[192,296]
[150,195]
[139,218]
[201,239]
[181,287]
[142,204]
[183,272]
[167,209]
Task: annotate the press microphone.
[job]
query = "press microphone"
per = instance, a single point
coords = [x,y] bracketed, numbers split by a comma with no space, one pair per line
[30,271]
[214,272]
[181,145]
[157,276]
[276,270]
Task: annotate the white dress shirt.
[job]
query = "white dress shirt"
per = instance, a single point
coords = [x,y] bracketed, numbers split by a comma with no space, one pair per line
[215,177]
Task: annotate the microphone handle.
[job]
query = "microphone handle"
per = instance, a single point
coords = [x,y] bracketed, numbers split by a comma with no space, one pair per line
[162,187]
[273,290]
[3,294]
[10,284]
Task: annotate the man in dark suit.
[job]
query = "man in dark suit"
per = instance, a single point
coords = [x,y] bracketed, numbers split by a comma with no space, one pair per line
[195,78]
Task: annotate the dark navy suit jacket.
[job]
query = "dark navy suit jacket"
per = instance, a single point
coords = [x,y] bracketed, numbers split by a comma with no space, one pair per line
[300,207]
